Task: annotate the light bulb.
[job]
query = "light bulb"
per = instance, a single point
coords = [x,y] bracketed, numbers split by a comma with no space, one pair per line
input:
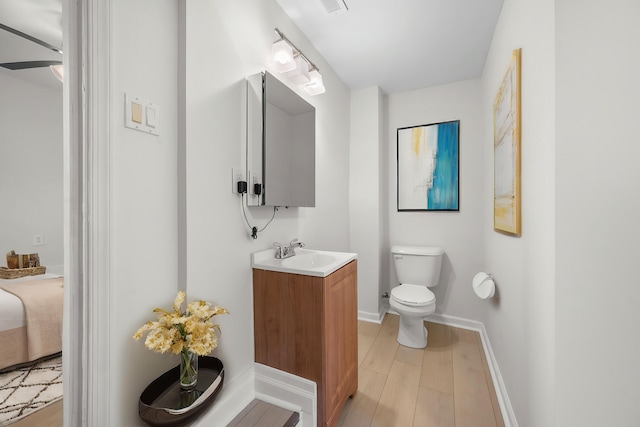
[282,56]
[315,86]
[57,71]
[299,75]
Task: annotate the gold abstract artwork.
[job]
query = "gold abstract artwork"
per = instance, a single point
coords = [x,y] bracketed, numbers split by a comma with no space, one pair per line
[506,125]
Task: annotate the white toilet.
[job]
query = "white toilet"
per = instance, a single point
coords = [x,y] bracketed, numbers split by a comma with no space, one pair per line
[417,269]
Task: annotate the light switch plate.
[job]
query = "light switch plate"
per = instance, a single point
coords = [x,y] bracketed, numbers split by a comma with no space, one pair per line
[140,114]
[152,120]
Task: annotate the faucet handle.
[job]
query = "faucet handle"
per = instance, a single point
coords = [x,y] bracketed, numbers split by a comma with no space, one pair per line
[280,250]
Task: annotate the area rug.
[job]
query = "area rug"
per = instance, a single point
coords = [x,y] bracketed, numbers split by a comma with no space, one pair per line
[28,389]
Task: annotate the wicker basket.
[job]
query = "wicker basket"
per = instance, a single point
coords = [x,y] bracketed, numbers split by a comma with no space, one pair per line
[14,273]
[15,260]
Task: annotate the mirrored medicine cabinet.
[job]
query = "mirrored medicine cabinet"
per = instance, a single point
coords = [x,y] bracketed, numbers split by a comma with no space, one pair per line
[280,152]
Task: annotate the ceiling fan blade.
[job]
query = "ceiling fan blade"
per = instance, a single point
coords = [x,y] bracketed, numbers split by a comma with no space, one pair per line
[28,64]
[30,38]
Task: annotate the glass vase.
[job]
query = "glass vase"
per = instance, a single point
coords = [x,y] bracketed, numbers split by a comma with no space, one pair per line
[188,369]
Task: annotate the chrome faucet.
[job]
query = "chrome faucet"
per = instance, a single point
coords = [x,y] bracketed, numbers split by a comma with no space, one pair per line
[283,252]
[280,250]
[293,245]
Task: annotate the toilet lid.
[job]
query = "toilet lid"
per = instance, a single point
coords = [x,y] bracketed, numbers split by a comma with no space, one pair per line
[413,294]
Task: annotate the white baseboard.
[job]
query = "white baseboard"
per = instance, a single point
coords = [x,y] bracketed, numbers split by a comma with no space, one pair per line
[267,384]
[371,317]
[456,322]
[287,391]
[235,395]
[506,409]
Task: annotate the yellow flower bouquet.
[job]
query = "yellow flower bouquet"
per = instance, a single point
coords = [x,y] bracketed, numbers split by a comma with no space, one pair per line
[190,334]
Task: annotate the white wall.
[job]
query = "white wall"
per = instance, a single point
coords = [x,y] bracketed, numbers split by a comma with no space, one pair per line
[520,320]
[31,169]
[225,42]
[143,199]
[365,193]
[597,205]
[458,233]
[186,171]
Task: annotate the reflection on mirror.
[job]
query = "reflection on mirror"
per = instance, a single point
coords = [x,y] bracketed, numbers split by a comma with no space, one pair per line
[281,132]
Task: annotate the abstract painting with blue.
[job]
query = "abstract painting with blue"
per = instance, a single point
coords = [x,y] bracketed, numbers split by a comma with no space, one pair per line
[428,163]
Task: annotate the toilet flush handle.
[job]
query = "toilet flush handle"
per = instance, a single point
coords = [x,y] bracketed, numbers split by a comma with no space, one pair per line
[396,256]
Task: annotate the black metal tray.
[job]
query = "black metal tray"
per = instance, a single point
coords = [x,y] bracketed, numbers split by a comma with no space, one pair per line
[164,403]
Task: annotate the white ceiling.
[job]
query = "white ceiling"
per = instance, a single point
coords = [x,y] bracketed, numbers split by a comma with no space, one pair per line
[41,19]
[400,45]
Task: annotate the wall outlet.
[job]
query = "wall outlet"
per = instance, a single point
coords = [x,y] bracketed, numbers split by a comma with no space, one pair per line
[254,180]
[237,174]
[38,239]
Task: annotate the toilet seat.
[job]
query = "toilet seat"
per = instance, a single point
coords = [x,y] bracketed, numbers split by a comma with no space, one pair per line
[414,295]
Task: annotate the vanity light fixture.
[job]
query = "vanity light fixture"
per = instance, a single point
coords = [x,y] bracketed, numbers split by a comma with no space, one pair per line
[282,56]
[315,86]
[288,60]
[300,74]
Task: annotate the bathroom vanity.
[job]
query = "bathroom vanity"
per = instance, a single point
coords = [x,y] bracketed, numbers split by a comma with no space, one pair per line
[306,324]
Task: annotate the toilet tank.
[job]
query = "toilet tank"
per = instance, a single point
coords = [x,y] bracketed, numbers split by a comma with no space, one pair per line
[417,265]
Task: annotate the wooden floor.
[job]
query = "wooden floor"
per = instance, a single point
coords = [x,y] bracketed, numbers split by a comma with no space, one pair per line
[49,416]
[446,384]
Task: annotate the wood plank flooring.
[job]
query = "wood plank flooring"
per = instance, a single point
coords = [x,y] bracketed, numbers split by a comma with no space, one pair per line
[447,384]
[49,416]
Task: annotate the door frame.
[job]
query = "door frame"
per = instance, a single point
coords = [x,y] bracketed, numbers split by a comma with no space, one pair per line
[86,149]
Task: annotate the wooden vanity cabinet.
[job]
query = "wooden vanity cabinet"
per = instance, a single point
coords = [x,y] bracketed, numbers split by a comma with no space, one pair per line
[308,326]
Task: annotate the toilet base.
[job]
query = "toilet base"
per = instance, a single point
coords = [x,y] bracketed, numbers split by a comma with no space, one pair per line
[412,332]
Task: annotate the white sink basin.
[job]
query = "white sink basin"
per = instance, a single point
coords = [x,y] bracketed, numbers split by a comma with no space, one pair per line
[309,260]
[306,262]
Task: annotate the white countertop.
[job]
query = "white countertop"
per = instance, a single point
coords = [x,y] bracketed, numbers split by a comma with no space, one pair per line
[307,262]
